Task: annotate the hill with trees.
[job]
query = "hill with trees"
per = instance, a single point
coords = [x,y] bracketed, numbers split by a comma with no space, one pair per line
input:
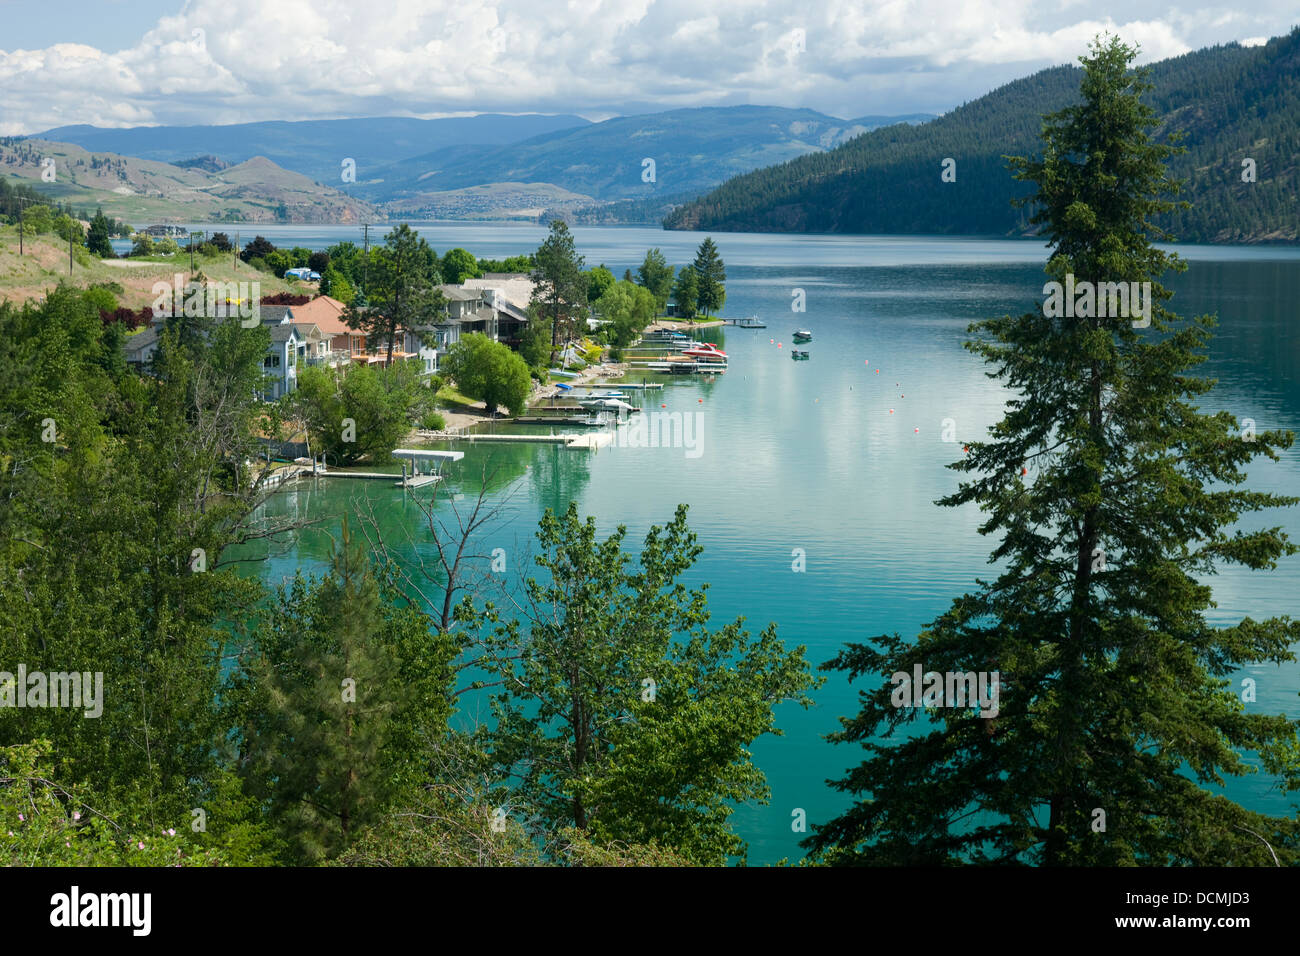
[1232,103]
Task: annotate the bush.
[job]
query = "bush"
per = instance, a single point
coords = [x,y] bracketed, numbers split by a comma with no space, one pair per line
[433,421]
[490,372]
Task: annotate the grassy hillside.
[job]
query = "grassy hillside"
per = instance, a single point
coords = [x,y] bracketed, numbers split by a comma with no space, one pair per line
[315,148]
[143,190]
[44,265]
[1231,102]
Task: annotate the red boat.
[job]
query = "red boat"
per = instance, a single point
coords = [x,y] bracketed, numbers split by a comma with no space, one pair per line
[707,352]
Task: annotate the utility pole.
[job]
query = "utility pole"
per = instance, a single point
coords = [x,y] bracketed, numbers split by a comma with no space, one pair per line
[365,261]
[236,250]
[20,200]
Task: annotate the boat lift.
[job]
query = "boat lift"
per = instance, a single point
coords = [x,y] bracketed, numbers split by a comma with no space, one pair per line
[435,460]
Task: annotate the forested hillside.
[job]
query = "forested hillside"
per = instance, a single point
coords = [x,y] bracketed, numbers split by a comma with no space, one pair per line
[1231,102]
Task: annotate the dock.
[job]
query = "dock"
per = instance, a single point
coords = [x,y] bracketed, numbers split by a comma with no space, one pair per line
[697,368]
[630,385]
[588,441]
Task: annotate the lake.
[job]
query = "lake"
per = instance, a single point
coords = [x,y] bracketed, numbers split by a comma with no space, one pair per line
[841,461]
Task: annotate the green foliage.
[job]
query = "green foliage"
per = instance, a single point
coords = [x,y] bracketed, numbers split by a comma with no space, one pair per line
[624,716]
[522,263]
[143,245]
[459,265]
[343,688]
[101,299]
[629,309]
[710,274]
[1114,689]
[382,403]
[656,274]
[96,576]
[598,280]
[336,285]
[259,248]
[45,824]
[97,237]
[402,294]
[560,288]
[489,372]
[686,293]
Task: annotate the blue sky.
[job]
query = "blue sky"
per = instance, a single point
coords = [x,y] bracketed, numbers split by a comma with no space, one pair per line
[148,62]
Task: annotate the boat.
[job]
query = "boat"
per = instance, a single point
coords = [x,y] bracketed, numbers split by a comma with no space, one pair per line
[798,355]
[591,421]
[802,335]
[707,352]
[665,335]
[561,372]
[750,322]
[563,387]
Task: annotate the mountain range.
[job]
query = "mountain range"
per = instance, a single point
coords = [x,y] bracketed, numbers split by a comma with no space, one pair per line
[498,165]
[1231,103]
[145,191]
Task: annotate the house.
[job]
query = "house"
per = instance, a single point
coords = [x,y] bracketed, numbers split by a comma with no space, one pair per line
[467,311]
[292,344]
[346,345]
[281,360]
[140,347]
[513,293]
[326,314]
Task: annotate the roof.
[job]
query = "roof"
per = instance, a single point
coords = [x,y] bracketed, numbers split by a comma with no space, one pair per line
[325,312]
[308,330]
[274,313]
[460,293]
[516,288]
[140,341]
[283,333]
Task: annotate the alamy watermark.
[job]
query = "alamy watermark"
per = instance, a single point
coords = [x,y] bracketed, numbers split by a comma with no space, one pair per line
[1087,300]
[53,689]
[663,430]
[218,300]
[965,689]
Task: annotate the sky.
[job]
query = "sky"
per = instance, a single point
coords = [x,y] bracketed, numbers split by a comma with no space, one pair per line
[152,62]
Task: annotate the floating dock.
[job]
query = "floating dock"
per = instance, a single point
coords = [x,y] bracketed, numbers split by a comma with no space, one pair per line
[589,440]
[687,367]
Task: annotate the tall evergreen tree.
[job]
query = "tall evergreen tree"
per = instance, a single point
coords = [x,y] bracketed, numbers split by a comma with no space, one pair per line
[344,690]
[1112,495]
[656,275]
[686,293]
[560,290]
[624,715]
[97,238]
[403,293]
[710,274]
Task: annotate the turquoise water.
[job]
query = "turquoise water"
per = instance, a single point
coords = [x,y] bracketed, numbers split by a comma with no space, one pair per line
[806,455]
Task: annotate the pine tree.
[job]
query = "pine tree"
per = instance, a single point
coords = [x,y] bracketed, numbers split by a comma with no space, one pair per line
[710,274]
[560,288]
[1113,496]
[332,729]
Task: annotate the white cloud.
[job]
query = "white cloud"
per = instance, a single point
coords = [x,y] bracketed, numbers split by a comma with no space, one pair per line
[324,58]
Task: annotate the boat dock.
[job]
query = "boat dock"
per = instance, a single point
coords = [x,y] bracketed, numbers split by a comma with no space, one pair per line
[589,441]
[684,366]
[631,385]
